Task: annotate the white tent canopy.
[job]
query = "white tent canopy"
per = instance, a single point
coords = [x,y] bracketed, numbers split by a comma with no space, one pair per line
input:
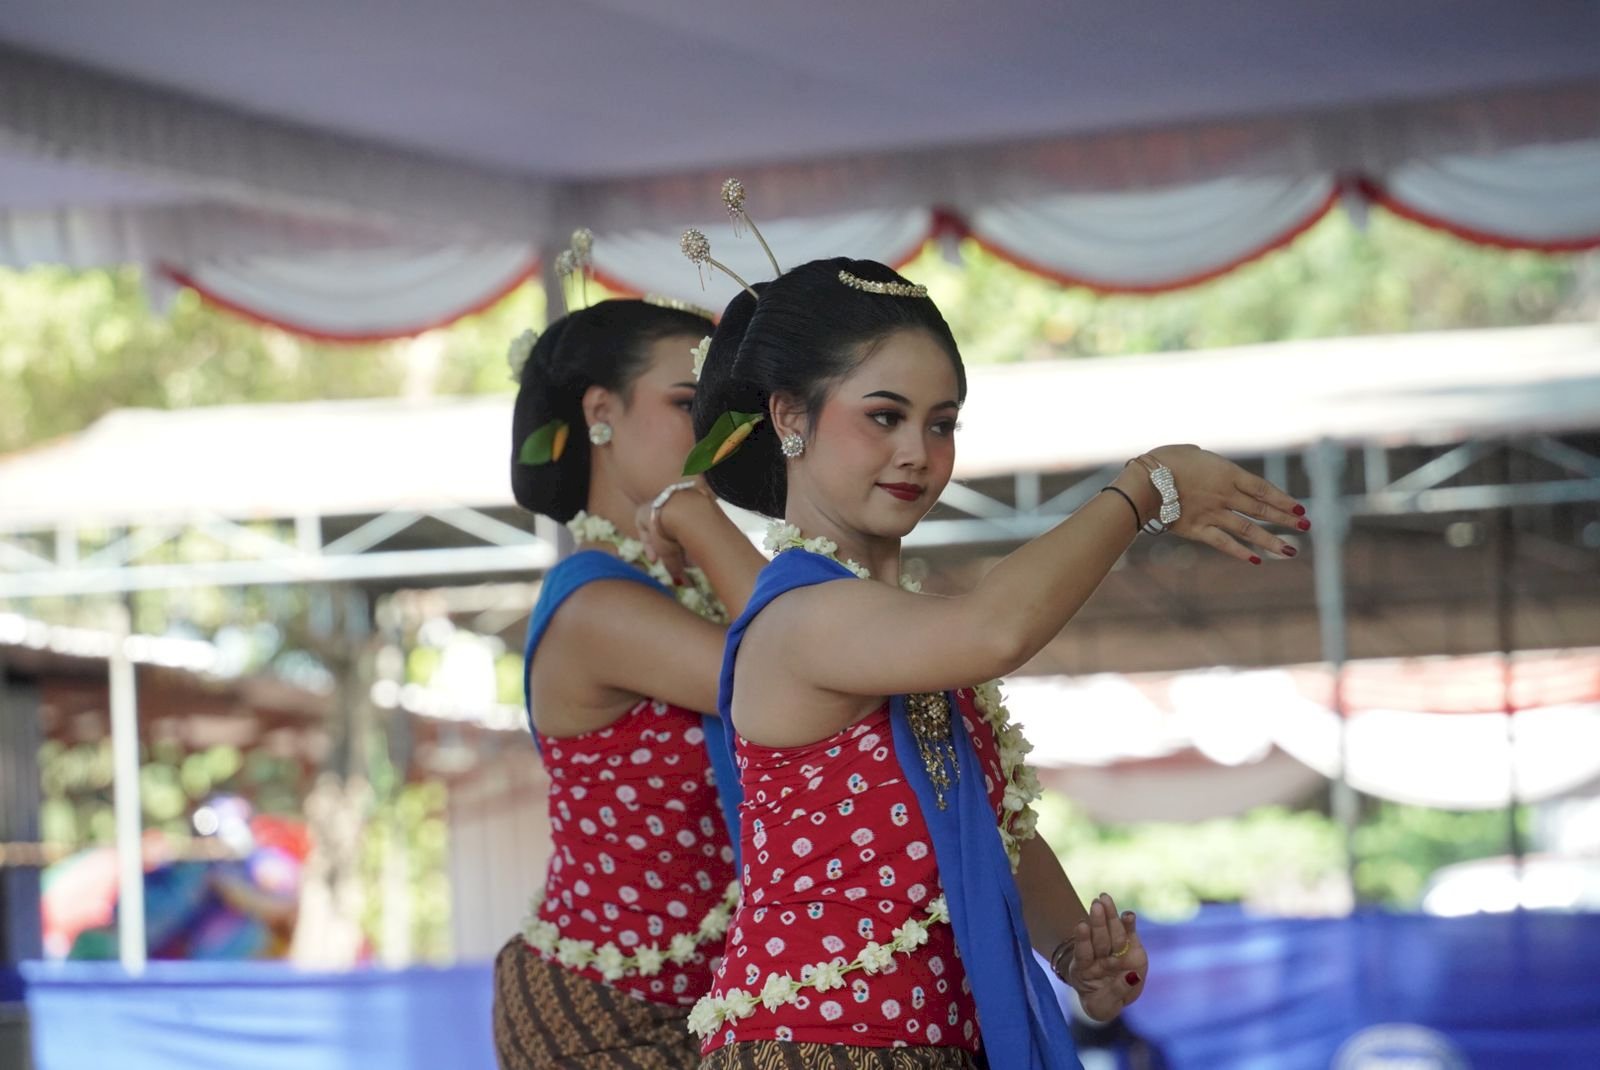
[247,462]
[425,157]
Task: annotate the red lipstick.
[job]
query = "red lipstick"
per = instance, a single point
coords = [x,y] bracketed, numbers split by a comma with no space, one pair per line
[906,492]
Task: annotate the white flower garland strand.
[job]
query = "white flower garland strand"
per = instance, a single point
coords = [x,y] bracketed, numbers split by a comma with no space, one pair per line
[711,1012]
[1017,825]
[698,597]
[613,962]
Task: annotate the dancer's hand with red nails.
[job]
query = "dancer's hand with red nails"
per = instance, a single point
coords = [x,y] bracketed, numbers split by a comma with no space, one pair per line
[661,543]
[1109,963]
[1223,505]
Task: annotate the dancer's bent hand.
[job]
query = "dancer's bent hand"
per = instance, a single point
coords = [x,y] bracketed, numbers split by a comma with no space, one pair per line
[656,527]
[1223,505]
[1109,963]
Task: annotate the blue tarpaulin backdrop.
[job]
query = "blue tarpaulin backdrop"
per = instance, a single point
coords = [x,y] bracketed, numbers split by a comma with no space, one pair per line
[1226,993]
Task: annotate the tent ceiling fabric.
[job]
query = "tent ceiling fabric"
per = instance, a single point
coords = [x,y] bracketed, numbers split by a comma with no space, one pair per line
[1130,146]
[605,88]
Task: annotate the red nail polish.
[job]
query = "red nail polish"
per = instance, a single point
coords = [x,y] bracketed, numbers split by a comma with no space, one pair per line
[1254,560]
[1305,525]
[1299,510]
[1289,551]
[1132,978]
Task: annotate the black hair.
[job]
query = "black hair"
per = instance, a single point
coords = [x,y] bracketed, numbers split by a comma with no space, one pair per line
[603,345]
[806,331]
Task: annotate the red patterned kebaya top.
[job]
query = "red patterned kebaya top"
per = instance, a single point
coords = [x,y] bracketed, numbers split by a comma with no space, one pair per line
[836,855]
[642,858]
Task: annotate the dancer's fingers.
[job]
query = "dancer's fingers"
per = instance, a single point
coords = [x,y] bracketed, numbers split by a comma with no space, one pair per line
[1268,493]
[1099,929]
[1268,513]
[1248,530]
[1116,929]
[1215,537]
[1082,947]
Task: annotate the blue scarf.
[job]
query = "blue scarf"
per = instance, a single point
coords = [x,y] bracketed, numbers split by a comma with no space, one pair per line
[1023,1028]
[564,580]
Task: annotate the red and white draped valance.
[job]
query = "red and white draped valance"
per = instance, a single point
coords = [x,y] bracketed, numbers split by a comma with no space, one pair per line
[1543,198]
[361,296]
[348,283]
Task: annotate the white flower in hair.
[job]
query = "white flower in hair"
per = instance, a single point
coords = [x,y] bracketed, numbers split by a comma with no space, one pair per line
[700,352]
[518,352]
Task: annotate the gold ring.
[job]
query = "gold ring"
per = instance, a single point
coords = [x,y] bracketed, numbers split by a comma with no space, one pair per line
[1124,951]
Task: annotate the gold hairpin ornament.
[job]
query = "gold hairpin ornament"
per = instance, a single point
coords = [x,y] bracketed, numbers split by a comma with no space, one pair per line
[733,199]
[576,259]
[518,352]
[697,247]
[892,289]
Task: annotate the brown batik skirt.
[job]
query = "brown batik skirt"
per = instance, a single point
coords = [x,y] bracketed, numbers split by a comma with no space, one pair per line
[787,1055]
[548,1018]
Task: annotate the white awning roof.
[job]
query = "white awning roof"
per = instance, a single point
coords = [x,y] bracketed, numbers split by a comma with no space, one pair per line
[365,457]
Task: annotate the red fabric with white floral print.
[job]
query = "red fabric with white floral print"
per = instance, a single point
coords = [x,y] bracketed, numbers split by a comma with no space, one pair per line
[836,854]
[641,851]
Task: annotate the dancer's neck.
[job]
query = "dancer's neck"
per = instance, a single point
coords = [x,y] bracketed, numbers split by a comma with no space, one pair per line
[607,500]
[877,554]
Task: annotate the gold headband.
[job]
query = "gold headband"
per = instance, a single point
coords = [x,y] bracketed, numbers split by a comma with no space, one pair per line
[676,305]
[892,289]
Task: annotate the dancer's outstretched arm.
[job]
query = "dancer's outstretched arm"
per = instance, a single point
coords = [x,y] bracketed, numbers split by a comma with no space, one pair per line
[902,644]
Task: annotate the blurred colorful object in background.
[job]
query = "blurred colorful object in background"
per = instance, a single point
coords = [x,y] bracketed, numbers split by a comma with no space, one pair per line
[239,904]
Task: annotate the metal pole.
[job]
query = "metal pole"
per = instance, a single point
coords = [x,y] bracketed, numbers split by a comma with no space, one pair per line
[1325,463]
[1505,552]
[125,800]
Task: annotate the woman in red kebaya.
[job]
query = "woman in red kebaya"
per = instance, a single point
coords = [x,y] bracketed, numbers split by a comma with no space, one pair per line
[622,650]
[894,891]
